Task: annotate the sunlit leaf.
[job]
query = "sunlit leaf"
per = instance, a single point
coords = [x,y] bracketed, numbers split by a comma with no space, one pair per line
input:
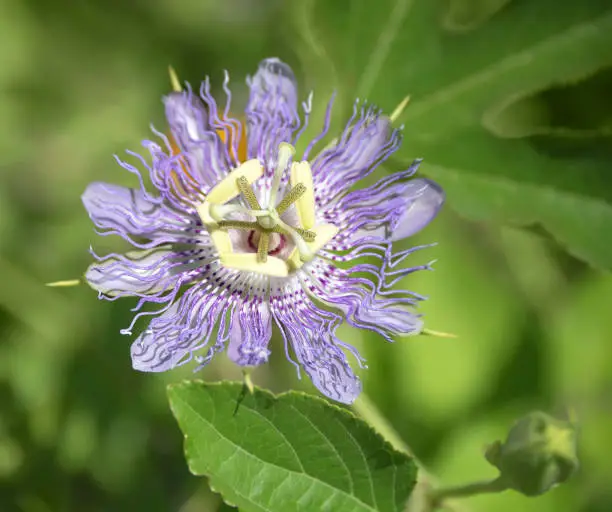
[291,453]
[466,65]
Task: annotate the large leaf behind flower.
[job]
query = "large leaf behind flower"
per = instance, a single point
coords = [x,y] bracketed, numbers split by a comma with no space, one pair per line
[291,453]
[476,71]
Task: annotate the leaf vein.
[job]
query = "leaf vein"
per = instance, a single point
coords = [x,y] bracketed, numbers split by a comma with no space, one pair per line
[365,461]
[514,61]
[309,477]
[331,445]
[383,45]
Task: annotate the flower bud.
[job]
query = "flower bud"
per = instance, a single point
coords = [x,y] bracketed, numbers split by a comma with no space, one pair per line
[538,454]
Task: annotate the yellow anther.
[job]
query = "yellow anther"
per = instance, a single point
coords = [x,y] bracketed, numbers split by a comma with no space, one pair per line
[305,204]
[227,189]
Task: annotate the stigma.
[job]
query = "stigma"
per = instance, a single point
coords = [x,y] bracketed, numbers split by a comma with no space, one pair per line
[275,238]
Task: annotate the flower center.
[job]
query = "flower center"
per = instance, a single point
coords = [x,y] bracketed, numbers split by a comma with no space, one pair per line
[267,230]
[276,244]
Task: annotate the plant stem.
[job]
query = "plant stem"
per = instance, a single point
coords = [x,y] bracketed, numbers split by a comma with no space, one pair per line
[365,408]
[438,496]
[420,500]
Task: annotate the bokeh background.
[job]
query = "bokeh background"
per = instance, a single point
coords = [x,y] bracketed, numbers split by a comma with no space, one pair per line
[81,431]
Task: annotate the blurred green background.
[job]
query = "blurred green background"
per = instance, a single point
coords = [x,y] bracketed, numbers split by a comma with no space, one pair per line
[81,431]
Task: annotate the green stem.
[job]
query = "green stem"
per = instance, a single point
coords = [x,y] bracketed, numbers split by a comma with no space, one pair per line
[420,499]
[364,407]
[438,496]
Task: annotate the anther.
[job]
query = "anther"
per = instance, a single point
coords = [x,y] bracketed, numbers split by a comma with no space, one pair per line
[305,234]
[239,224]
[262,247]
[247,193]
[292,196]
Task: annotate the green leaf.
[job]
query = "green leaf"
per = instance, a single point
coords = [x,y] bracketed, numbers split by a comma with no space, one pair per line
[295,452]
[476,72]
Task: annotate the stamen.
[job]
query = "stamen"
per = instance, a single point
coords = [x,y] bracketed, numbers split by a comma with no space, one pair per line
[227,189]
[292,196]
[305,205]
[324,233]
[307,238]
[307,235]
[262,247]
[247,193]
[268,221]
[238,224]
[300,243]
[285,153]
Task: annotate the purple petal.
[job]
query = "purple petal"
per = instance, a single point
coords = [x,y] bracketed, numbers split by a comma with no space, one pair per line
[184,328]
[138,273]
[386,314]
[154,352]
[273,87]
[359,294]
[310,331]
[393,208]
[271,111]
[424,198]
[364,144]
[250,333]
[199,143]
[128,210]
[326,365]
